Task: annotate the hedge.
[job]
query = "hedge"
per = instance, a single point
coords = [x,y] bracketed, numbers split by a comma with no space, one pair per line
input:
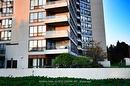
[44,81]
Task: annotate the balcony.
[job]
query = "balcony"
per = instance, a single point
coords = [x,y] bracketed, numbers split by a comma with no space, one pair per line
[56,4]
[79,40]
[79,47]
[56,19]
[59,50]
[56,34]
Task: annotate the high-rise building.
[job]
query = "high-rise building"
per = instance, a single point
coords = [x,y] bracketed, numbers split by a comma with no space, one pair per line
[33,32]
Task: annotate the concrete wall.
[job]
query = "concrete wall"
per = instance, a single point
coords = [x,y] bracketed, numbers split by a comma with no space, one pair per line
[87,73]
[20,30]
[105,63]
[127,61]
[98,26]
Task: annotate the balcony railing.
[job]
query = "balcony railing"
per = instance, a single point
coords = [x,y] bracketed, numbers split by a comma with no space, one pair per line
[56,34]
[57,50]
[55,4]
[57,47]
[58,18]
[35,49]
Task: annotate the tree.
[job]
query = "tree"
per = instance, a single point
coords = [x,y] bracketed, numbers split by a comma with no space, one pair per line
[63,60]
[82,62]
[96,52]
[117,53]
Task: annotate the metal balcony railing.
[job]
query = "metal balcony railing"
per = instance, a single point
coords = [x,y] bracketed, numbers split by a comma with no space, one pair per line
[58,47]
[66,49]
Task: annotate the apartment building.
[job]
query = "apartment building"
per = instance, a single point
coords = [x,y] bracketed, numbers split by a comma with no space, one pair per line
[33,32]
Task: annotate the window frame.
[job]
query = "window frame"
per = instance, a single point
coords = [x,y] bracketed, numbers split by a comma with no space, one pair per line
[36,46]
[6,23]
[39,31]
[36,4]
[35,17]
[5,35]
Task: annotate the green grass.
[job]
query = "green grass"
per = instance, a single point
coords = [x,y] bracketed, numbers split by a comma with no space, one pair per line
[118,65]
[44,81]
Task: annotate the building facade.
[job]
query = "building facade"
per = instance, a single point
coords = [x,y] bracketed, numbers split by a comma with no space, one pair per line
[33,32]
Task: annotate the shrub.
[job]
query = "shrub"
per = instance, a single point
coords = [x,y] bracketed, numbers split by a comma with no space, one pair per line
[66,61]
[63,60]
[62,81]
[81,62]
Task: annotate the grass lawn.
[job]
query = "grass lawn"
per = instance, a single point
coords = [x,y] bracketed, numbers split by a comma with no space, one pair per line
[117,65]
[44,81]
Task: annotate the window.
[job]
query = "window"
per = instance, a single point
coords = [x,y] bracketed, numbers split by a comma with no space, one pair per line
[36,61]
[37,17]
[35,31]
[5,35]
[11,63]
[2,48]
[6,11]
[89,19]
[88,1]
[89,32]
[51,45]
[88,7]
[7,3]
[37,45]
[89,39]
[6,23]
[36,4]
[89,25]
[6,7]
[7,0]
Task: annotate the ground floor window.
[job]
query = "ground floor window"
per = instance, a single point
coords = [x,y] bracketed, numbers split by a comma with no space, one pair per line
[39,61]
[2,61]
[11,63]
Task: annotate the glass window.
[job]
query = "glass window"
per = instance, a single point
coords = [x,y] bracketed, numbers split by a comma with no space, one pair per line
[40,2]
[36,61]
[36,4]
[36,45]
[7,0]
[6,7]
[36,31]
[89,25]
[5,35]
[6,23]
[6,11]
[11,64]
[40,30]
[41,16]
[37,17]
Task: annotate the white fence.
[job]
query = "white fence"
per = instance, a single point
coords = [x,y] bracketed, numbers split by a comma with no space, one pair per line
[87,73]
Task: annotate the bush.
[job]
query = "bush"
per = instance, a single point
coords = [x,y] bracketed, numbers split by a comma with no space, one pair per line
[44,81]
[82,62]
[66,61]
[63,60]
